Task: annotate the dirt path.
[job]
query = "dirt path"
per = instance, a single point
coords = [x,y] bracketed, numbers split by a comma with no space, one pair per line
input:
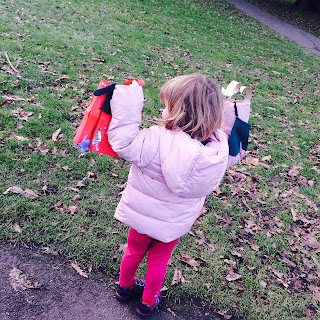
[302,38]
[63,294]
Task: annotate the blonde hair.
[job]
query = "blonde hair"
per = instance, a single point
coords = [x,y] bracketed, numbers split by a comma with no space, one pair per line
[194,104]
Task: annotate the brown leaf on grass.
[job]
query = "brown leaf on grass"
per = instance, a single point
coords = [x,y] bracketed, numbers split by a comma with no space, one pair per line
[276,272]
[58,204]
[306,199]
[254,247]
[317,170]
[75,266]
[294,170]
[207,285]
[122,186]
[12,97]
[178,277]
[232,276]
[6,103]
[294,214]
[21,114]
[73,209]
[232,263]
[19,281]
[217,191]
[188,260]
[81,183]
[263,284]
[16,227]
[48,250]
[92,176]
[315,292]
[91,163]
[28,193]
[266,158]
[12,135]
[55,135]
[252,161]
[64,76]
[122,247]
[76,198]
[227,220]
[236,253]
[311,242]
[225,315]
[202,212]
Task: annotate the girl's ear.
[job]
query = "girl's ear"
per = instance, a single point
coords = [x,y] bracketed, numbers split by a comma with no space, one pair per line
[165,113]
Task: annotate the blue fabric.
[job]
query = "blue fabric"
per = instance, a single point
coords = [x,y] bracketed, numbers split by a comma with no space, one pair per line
[239,135]
[109,91]
[84,144]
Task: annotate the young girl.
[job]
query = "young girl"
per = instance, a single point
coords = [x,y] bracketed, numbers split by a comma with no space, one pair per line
[175,165]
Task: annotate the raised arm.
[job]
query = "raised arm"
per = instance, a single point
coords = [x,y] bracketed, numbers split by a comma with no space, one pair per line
[134,145]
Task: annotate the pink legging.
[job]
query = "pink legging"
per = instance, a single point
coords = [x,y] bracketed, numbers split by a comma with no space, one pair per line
[158,256]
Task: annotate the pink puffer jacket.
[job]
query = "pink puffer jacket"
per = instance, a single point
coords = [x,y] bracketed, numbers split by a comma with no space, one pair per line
[171,173]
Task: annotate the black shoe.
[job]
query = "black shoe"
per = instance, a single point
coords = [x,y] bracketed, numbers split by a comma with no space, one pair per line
[124,294]
[144,310]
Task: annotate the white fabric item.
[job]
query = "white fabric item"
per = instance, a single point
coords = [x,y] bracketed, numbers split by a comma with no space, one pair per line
[243,106]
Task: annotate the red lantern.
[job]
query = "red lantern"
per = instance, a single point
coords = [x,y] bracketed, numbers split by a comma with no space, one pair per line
[93,131]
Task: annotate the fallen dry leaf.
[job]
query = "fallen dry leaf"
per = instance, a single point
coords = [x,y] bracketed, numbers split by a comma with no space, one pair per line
[73,209]
[29,193]
[91,162]
[178,277]
[21,114]
[232,263]
[294,170]
[12,97]
[75,266]
[122,247]
[55,135]
[188,260]
[232,276]
[16,227]
[49,251]
[294,214]
[236,253]
[202,212]
[254,247]
[19,281]
[76,198]
[315,292]
[263,284]
[252,161]
[81,183]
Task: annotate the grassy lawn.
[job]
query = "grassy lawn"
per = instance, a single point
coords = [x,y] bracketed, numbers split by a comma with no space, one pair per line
[256,247]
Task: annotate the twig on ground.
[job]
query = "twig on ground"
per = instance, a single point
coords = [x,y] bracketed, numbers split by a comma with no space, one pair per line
[10,64]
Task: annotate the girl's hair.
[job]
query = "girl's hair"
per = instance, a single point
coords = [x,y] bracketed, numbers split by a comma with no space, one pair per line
[194,104]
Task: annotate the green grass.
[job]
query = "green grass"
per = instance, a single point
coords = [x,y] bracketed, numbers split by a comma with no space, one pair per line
[156,40]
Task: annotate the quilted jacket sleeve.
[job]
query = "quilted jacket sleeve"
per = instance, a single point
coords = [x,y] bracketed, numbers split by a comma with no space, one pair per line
[136,146]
